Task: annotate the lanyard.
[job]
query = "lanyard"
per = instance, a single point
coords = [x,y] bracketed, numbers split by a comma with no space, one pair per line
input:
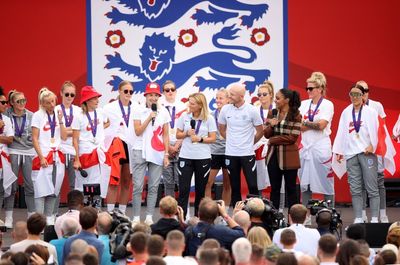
[172,122]
[93,124]
[124,115]
[311,113]
[70,118]
[357,123]
[19,130]
[52,124]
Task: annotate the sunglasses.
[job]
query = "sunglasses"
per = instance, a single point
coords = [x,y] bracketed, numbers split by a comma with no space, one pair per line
[72,95]
[355,94]
[4,102]
[21,101]
[310,88]
[167,90]
[262,94]
[127,91]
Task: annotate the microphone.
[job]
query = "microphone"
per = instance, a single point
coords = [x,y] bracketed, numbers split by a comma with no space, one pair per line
[193,124]
[83,172]
[274,113]
[153,109]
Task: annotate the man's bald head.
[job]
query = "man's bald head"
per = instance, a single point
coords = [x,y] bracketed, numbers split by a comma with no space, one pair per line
[238,88]
[236,94]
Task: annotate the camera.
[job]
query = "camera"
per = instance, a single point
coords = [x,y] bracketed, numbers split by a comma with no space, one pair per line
[317,207]
[121,231]
[91,193]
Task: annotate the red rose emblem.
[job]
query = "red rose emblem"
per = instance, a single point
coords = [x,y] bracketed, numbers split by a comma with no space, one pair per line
[115,38]
[187,37]
[259,36]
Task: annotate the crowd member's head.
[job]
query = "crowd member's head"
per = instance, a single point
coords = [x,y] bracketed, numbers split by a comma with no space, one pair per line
[393,237]
[69,227]
[393,225]
[154,260]
[6,262]
[271,254]
[155,246]
[90,259]
[104,223]
[47,100]
[347,250]
[392,248]
[316,84]
[169,91]
[265,93]
[388,256]
[364,248]
[242,218]
[324,219]
[297,214]
[359,260]
[288,238]
[356,232]
[241,250]
[288,100]
[79,247]
[175,243]
[307,260]
[20,258]
[356,95]
[258,235]
[20,231]
[142,227]
[39,250]
[198,106]
[221,98]
[286,258]
[224,257]
[327,248]
[88,218]
[75,200]
[68,93]
[256,208]
[138,245]
[125,91]
[208,257]
[168,207]
[17,100]
[209,243]
[36,223]
[236,94]
[257,254]
[208,210]
[73,259]
[89,99]
[7,255]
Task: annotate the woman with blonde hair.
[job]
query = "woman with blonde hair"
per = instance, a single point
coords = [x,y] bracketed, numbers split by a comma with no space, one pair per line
[258,235]
[48,166]
[197,128]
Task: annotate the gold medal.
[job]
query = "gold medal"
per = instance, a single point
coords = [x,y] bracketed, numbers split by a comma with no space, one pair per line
[52,140]
[358,136]
[172,131]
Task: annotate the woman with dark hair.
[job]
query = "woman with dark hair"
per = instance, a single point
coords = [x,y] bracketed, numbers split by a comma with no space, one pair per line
[283,129]
[347,250]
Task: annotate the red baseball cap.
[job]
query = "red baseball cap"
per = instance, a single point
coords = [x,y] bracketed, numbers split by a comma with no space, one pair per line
[152,88]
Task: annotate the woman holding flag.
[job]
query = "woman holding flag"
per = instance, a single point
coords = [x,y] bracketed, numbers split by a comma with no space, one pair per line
[48,166]
[355,144]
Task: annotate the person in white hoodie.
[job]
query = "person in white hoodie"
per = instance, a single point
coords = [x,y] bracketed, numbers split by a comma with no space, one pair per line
[356,141]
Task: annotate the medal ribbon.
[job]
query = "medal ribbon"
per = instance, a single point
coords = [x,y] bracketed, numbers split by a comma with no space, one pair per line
[172,122]
[68,121]
[19,131]
[52,123]
[93,124]
[198,126]
[125,116]
[357,123]
[311,113]
[2,129]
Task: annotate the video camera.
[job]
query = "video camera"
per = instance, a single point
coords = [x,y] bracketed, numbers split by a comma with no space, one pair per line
[121,231]
[271,216]
[317,207]
[91,193]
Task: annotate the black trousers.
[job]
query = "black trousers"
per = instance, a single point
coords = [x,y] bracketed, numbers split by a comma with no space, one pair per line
[201,169]
[275,177]
[234,164]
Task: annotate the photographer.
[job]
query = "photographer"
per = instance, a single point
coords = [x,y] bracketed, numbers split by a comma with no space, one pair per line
[256,209]
[324,218]
[327,218]
[208,211]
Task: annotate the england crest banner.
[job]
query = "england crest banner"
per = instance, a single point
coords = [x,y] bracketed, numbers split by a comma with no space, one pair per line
[200,45]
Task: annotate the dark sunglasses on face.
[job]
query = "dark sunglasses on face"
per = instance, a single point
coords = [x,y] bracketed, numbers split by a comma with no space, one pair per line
[72,95]
[262,94]
[167,90]
[21,101]
[4,102]
[310,88]
[126,91]
[355,94]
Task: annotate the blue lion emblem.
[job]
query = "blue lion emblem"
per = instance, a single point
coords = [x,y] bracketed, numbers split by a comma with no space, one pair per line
[158,63]
[159,13]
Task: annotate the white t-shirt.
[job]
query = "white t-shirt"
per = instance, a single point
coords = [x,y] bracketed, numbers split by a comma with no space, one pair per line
[88,142]
[7,131]
[24,244]
[378,107]
[240,123]
[325,112]
[177,260]
[40,120]
[177,108]
[67,145]
[191,150]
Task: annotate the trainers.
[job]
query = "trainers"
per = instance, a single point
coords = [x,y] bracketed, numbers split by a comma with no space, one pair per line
[365,219]
[8,222]
[384,219]
[134,223]
[374,220]
[308,220]
[148,221]
[358,221]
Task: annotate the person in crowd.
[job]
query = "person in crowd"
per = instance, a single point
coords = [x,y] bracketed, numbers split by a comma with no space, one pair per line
[347,250]
[73,259]
[396,131]
[241,251]
[258,235]
[327,248]
[316,152]
[243,219]
[225,235]
[265,95]
[150,150]
[324,218]
[120,115]
[170,212]
[241,125]
[88,139]
[286,259]
[197,129]
[288,241]
[393,236]
[155,246]
[75,200]
[271,254]
[356,141]
[69,110]
[21,152]
[79,247]
[218,152]
[69,227]
[20,231]
[175,246]
[154,260]
[307,260]
[88,222]
[308,237]
[378,107]
[394,249]
[138,246]
[175,109]
[7,176]
[257,255]
[283,130]
[256,208]
[104,225]
[208,257]
[40,251]
[35,224]
[90,259]
[48,166]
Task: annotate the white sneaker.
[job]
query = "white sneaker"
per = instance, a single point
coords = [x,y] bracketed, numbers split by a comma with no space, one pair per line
[358,221]
[384,219]
[308,220]
[365,219]
[134,223]
[148,221]
[374,220]
[8,222]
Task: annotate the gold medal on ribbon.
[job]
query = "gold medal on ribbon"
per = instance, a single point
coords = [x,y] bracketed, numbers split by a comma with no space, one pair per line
[358,136]
[52,140]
